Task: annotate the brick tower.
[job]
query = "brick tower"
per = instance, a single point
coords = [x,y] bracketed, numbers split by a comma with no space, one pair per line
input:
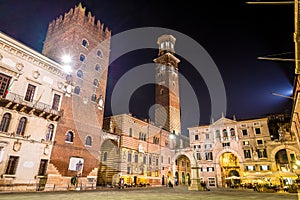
[77,142]
[167,113]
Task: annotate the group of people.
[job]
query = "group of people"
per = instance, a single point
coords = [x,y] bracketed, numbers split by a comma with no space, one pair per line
[204,186]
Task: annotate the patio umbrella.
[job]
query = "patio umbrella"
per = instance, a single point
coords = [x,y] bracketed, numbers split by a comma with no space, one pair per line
[232,177]
[283,174]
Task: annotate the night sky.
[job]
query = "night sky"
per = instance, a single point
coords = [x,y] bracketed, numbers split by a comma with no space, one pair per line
[232,32]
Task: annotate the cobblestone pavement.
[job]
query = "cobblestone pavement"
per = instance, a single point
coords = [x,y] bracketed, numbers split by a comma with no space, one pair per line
[176,193]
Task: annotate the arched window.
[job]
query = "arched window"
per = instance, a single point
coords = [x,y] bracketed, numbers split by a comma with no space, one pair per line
[232,132]
[97,67]
[79,73]
[5,122]
[85,43]
[21,126]
[88,141]
[94,98]
[105,156]
[69,136]
[77,90]
[99,53]
[82,57]
[50,132]
[96,82]
[225,134]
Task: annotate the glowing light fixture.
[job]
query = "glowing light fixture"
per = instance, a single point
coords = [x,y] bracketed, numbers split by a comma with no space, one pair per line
[66,59]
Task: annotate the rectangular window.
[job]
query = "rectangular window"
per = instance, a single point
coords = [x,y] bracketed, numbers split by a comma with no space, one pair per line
[156,161]
[198,155]
[169,160]
[262,153]
[55,103]
[162,159]
[245,133]
[260,142]
[226,144]
[129,157]
[264,167]
[250,168]
[4,84]
[43,167]
[211,182]
[246,143]
[257,130]
[292,157]
[150,161]
[210,169]
[247,153]
[208,156]
[265,153]
[144,160]
[196,137]
[128,170]
[30,93]
[12,165]
[136,158]
[207,136]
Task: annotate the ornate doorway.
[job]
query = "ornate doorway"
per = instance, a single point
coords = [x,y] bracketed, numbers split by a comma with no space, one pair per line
[230,169]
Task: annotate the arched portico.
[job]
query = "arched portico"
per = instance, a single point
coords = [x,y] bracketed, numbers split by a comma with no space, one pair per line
[228,163]
[284,158]
[182,162]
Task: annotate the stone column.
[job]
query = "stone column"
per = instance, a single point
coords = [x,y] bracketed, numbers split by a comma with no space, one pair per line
[195,180]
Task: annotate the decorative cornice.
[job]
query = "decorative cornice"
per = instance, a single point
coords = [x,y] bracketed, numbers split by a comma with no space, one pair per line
[19,50]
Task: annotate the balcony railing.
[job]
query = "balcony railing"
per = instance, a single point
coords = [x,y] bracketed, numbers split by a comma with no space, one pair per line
[17,102]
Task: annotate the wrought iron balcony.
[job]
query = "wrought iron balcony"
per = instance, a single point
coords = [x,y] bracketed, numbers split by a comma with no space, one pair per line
[17,102]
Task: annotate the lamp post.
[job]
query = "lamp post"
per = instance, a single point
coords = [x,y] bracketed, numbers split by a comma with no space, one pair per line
[160,156]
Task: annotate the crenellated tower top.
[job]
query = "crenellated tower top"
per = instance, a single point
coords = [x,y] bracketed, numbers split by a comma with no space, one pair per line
[78,16]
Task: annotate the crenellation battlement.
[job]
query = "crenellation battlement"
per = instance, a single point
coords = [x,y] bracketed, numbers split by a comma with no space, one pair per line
[78,16]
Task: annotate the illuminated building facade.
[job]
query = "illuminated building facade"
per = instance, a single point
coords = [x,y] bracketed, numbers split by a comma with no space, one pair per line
[230,152]
[30,108]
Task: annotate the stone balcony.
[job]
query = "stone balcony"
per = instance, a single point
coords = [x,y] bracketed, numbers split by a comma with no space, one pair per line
[17,102]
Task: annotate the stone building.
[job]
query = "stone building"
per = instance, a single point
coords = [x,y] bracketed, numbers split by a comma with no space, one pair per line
[30,108]
[86,44]
[144,151]
[148,152]
[231,152]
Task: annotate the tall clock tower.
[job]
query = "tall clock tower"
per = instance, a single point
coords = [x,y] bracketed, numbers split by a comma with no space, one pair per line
[167,111]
